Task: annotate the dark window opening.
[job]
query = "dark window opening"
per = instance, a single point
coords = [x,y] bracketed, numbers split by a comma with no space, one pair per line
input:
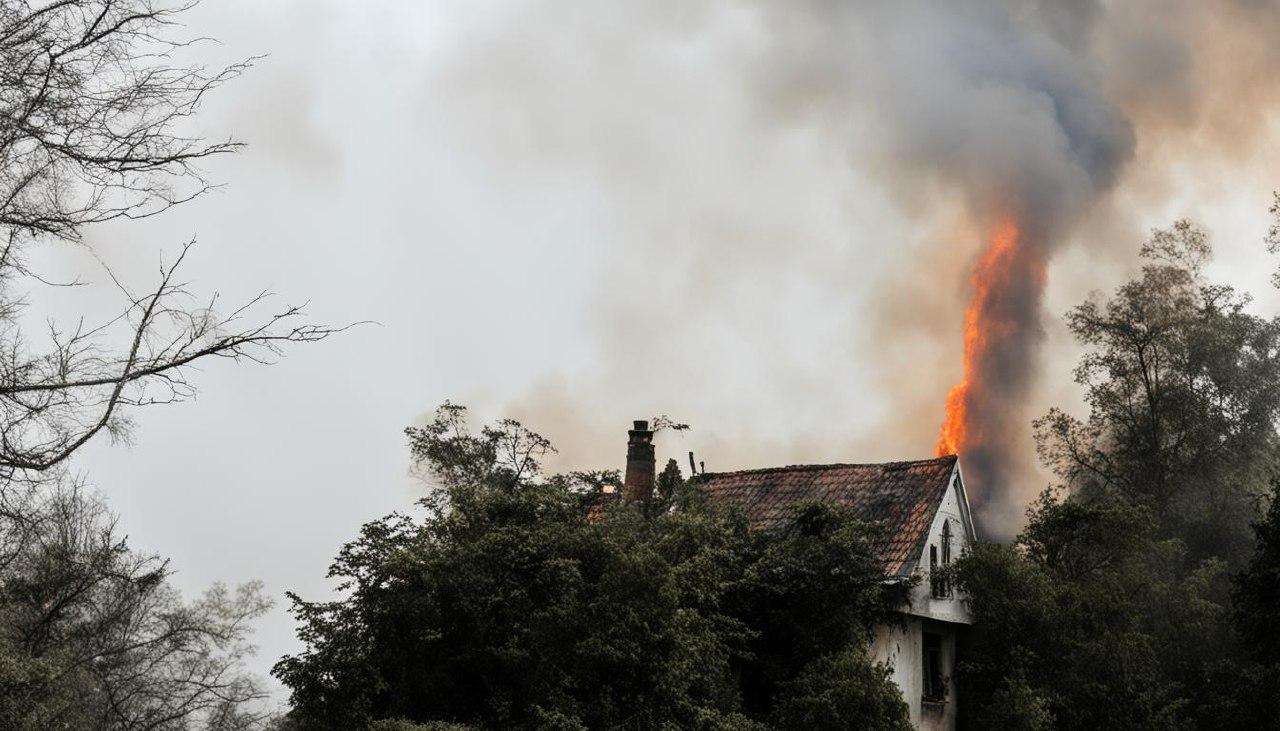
[935,579]
[935,684]
[946,542]
[940,581]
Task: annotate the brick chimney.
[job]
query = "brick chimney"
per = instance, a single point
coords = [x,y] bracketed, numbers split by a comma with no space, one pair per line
[637,485]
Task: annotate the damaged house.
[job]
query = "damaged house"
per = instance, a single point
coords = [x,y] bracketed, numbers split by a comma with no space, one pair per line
[923,522]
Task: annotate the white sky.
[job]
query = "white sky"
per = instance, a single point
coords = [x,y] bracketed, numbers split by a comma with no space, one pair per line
[632,241]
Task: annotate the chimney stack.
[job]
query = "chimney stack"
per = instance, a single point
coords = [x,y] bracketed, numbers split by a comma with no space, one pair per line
[637,485]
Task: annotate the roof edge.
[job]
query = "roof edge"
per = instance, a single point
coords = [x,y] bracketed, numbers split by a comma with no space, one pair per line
[831,466]
[967,511]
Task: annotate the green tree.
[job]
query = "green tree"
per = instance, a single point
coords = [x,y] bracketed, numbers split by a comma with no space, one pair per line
[669,480]
[810,590]
[841,690]
[1257,593]
[1183,388]
[1257,614]
[1058,633]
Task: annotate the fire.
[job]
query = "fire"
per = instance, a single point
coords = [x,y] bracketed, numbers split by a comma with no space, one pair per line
[1005,267]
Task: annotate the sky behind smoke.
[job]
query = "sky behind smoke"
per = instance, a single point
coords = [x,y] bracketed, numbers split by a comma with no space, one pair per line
[755,217]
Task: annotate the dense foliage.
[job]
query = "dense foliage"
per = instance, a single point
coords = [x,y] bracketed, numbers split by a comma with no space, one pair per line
[507,606]
[1122,604]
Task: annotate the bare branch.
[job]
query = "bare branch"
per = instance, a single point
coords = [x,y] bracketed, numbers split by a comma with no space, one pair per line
[92,120]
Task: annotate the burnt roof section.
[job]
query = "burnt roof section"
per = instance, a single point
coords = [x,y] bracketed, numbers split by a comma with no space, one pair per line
[899,499]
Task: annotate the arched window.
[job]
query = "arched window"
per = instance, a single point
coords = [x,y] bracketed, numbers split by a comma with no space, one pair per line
[939,582]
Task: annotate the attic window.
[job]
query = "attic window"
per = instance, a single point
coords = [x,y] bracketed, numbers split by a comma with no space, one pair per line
[939,582]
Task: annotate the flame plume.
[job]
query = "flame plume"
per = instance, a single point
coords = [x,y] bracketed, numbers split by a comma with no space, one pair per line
[984,409]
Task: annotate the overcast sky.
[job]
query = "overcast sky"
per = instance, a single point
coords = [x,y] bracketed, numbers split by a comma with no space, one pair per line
[581,216]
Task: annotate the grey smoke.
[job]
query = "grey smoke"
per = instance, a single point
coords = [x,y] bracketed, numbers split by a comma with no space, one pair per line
[986,97]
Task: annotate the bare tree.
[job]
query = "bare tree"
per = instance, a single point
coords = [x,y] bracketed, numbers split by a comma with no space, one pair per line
[92,117]
[93,636]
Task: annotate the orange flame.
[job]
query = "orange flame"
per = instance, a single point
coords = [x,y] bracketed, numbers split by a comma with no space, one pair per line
[986,328]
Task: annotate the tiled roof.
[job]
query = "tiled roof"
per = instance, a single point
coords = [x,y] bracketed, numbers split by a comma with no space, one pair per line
[899,499]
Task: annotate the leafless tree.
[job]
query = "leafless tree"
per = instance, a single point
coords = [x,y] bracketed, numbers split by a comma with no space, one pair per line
[93,110]
[92,636]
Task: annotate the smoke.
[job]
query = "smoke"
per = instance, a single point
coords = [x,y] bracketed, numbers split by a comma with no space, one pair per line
[794,196]
[980,97]
[1000,104]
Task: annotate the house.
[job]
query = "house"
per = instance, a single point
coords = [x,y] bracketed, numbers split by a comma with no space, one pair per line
[922,522]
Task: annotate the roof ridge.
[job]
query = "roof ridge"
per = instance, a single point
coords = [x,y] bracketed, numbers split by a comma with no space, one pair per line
[832,465]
